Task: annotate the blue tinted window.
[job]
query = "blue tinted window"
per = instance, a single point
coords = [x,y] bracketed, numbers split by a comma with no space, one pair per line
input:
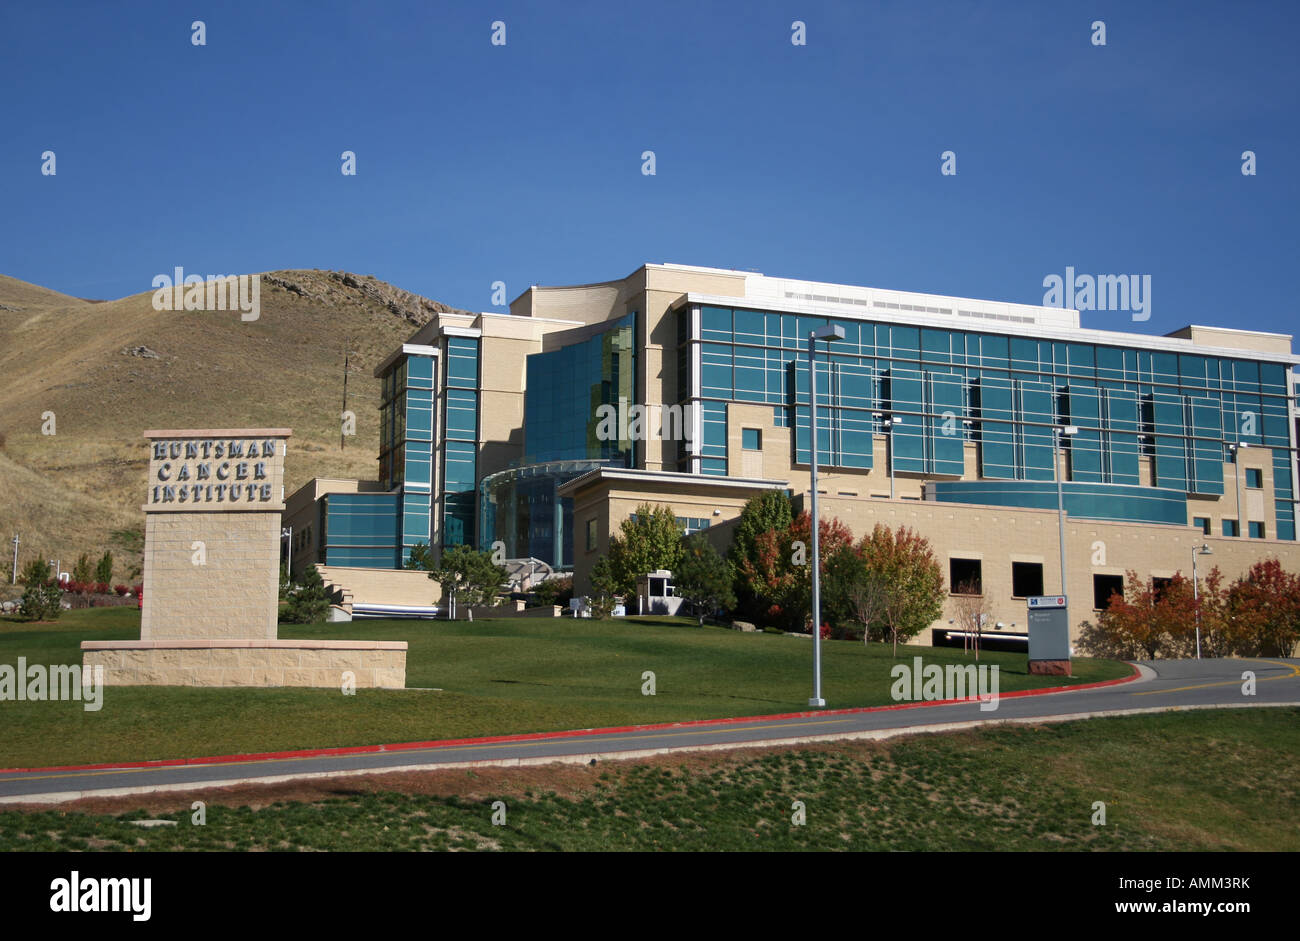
[462,414]
[462,362]
[715,324]
[578,399]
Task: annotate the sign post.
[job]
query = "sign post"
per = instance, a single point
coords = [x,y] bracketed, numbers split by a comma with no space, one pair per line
[1049,635]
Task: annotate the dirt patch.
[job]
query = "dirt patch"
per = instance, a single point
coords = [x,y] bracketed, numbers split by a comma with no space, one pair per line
[564,780]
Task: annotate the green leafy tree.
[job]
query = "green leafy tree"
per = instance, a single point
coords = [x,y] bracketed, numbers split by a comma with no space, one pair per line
[865,594]
[469,574]
[851,594]
[421,557]
[604,586]
[555,591]
[42,601]
[770,511]
[83,571]
[648,541]
[104,569]
[309,603]
[703,577]
[904,561]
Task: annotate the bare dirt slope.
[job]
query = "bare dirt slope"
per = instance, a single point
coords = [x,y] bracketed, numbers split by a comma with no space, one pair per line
[108,370]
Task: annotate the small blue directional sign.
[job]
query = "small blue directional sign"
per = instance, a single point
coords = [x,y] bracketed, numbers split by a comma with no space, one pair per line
[1047,601]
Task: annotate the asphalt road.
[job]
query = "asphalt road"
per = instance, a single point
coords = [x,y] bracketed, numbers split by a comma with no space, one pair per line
[1165,684]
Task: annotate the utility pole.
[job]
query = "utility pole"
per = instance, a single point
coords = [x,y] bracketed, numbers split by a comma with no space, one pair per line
[342,436]
[14,579]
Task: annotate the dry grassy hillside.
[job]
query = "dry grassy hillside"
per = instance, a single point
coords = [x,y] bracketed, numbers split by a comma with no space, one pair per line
[80,489]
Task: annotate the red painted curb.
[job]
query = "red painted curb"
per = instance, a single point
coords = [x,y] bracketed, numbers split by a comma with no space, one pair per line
[534,736]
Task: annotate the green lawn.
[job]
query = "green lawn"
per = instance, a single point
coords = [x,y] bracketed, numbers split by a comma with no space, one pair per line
[1212,780]
[495,677]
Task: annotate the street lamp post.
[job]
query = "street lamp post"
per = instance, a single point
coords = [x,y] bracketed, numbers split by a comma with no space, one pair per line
[1203,549]
[1236,476]
[828,333]
[890,422]
[1068,431]
[286,533]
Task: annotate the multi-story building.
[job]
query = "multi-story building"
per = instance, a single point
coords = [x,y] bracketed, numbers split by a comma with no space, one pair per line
[540,430]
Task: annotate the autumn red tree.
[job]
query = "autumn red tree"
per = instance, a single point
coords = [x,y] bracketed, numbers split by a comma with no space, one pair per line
[1133,626]
[1160,620]
[1263,609]
[780,574]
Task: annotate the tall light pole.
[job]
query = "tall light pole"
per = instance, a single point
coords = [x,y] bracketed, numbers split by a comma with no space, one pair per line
[890,422]
[286,533]
[1068,431]
[1235,450]
[828,333]
[1203,549]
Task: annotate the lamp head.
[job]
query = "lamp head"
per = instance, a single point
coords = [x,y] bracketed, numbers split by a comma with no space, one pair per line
[832,331]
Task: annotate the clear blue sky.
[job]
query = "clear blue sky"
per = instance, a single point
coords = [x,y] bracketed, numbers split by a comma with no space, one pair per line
[522,163]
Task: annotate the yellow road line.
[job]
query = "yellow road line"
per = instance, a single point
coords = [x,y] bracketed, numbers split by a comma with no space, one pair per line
[1295,671]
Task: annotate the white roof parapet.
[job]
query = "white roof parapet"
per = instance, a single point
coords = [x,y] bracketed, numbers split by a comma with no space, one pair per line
[1036,329]
[865,298]
[635,475]
[529,318]
[416,349]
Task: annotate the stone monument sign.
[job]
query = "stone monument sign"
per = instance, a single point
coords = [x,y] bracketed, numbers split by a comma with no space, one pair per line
[212,575]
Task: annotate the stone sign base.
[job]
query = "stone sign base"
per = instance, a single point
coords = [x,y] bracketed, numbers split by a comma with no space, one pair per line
[321,663]
[1050,668]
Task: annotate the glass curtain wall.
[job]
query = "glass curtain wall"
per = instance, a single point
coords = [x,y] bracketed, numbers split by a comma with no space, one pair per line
[1004,393]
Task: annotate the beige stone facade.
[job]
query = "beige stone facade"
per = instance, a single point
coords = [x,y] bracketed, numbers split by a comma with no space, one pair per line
[382,586]
[995,537]
[362,664]
[225,587]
